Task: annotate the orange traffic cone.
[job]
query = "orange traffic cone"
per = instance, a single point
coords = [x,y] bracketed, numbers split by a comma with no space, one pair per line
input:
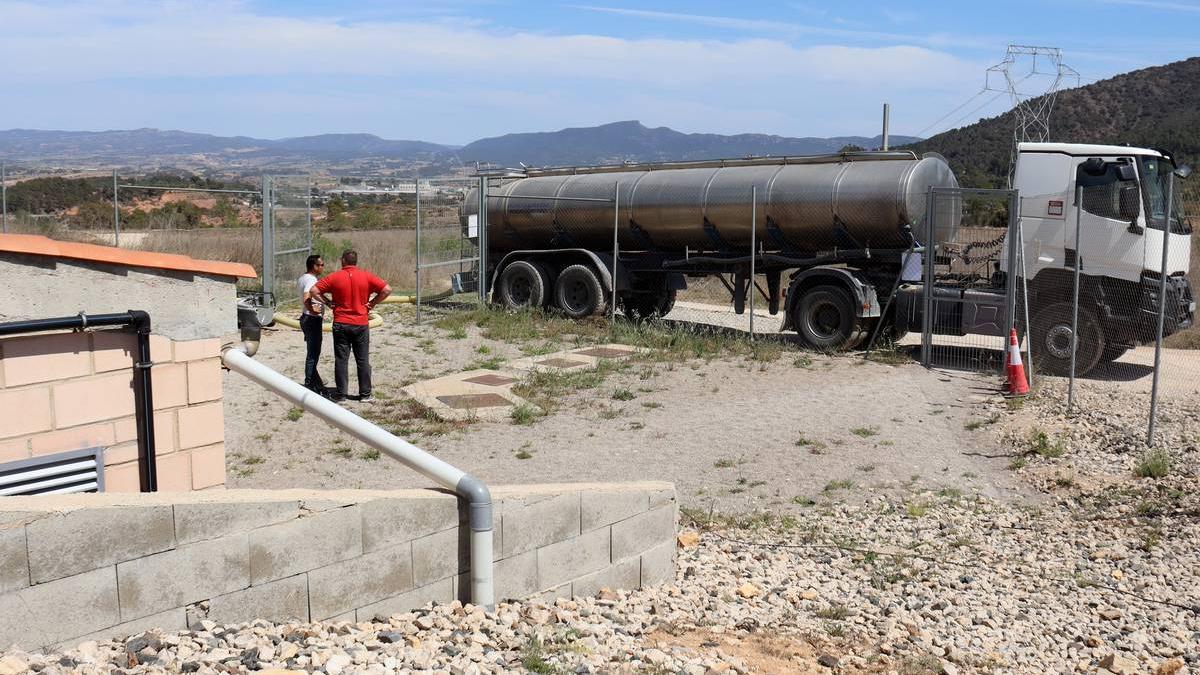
[1017,384]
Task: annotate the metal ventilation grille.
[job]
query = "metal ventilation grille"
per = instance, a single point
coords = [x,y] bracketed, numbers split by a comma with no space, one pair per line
[75,471]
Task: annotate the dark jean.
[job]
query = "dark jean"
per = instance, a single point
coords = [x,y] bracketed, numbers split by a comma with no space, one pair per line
[347,337]
[311,327]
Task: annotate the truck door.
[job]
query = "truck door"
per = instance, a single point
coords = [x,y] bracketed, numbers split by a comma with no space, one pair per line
[1112,225]
[1154,174]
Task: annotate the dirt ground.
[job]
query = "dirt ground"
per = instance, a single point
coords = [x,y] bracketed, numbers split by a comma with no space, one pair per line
[734,433]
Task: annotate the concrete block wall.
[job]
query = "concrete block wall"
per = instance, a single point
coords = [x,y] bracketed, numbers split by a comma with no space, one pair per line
[69,391]
[82,567]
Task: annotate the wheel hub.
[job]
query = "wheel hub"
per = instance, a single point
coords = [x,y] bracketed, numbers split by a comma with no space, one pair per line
[824,319]
[1059,340]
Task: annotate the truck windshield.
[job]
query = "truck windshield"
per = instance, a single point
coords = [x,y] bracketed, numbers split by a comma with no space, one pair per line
[1156,171]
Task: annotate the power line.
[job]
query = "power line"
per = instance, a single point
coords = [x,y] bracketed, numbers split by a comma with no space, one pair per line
[956,109]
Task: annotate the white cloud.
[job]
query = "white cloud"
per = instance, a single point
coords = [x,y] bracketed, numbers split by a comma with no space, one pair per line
[447,74]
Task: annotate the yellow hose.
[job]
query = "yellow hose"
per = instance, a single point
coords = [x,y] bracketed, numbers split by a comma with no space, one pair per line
[375,320]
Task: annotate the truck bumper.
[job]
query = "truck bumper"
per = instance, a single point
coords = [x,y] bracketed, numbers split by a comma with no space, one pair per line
[1179,313]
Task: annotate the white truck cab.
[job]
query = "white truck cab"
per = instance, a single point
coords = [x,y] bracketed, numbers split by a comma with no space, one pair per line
[1123,222]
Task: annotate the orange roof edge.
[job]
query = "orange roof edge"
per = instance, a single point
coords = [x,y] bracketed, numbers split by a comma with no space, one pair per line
[33,244]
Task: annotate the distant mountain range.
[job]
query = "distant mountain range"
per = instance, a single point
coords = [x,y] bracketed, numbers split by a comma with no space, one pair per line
[632,141]
[608,143]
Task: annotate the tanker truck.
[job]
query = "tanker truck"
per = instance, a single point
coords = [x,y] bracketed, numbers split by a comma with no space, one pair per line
[842,228]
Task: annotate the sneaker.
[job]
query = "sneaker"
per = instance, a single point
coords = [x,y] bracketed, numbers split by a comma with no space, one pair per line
[336,397]
[366,397]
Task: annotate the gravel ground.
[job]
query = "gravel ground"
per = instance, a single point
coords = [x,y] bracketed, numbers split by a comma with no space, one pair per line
[937,583]
[992,536]
[733,433]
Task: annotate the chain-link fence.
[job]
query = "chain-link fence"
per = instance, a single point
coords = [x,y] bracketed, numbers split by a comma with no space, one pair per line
[1112,308]
[968,259]
[289,234]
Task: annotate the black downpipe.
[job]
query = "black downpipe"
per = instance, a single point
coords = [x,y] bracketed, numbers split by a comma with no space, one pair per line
[142,391]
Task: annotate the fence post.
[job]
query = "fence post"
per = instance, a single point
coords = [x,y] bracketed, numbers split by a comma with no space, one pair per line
[1074,302]
[753,251]
[1162,304]
[417,192]
[612,312]
[482,227]
[116,213]
[268,246]
[3,199]
[927,295]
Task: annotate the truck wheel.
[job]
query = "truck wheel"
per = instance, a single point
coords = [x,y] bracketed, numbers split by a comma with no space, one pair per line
[578,292]
[1052,338]
[825,319]
[523,284]
[649,305]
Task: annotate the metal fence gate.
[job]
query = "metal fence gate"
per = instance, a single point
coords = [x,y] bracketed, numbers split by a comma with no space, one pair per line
[287,234]
[971,273]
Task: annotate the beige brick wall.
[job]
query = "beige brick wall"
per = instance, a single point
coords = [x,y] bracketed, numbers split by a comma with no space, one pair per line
[69,391]
[79,567]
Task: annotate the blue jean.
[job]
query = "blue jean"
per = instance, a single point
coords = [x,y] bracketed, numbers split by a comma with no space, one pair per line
[311,327]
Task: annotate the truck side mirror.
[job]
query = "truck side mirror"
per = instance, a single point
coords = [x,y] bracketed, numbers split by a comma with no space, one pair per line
[1130,202]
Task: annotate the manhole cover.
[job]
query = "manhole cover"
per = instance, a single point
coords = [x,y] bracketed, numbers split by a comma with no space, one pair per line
[605,352]
[490,380]
[465,401]
[562,363]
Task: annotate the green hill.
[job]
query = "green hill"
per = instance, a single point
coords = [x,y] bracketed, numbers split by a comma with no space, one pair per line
[1153,107]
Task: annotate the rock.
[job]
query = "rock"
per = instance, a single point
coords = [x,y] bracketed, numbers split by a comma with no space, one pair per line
[280,671]
[337,663]
[828,660]
[748,590]
[288,649]
[1169,667]
[948,668]
[1109,614]
[688,539]
[606,593]
[389,637]
[1120,665]
[809,595]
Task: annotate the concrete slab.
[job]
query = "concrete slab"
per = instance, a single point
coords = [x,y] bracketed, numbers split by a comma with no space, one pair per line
[573,359]
[487,394]
[474,394]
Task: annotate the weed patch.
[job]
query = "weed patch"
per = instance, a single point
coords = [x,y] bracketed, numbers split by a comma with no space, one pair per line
[1156,463]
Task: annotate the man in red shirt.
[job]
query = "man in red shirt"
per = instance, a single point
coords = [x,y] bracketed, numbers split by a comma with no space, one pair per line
[354,294]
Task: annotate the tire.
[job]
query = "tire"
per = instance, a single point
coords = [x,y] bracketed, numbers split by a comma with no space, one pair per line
[824,317]
[646,305]
[523,284]
[578,293]
[1052,338]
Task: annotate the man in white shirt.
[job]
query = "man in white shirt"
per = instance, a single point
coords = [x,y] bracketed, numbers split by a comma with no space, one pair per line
[312,322]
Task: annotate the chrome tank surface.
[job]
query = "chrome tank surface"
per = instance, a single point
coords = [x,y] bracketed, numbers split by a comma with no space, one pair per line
[811,204]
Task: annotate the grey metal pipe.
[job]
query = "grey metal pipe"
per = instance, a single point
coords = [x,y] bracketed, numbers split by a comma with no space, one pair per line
[1162,305]
[1074,302]
[472,490]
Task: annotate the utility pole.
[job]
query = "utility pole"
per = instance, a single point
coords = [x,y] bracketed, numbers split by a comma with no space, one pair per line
[887,113]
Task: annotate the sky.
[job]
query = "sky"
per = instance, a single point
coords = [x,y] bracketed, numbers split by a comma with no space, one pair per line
[452,71]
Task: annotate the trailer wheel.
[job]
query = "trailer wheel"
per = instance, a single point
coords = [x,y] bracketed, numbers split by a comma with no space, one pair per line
[523,284]
[578,292]
[650,304]
[1052,337]
[825,319]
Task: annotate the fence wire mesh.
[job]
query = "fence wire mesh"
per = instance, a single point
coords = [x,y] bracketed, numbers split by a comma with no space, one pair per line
[291,235]
[1097,311]
[966,317]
